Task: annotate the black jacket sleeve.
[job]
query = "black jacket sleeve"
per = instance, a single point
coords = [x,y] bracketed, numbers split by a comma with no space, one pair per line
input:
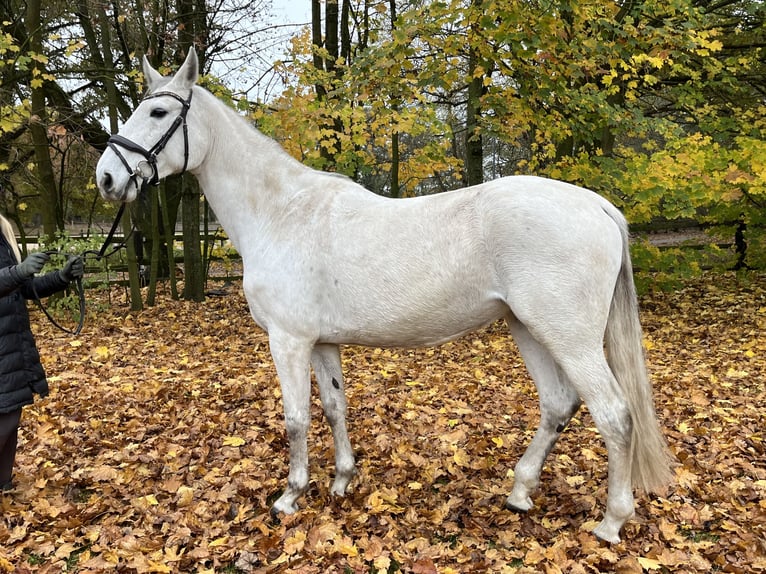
[44,285]
[9,280]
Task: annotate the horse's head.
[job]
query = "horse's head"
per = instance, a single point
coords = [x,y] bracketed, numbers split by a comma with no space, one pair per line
[155,141]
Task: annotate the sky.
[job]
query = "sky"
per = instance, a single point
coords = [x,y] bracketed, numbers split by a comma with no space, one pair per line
[252,76]
[291,12]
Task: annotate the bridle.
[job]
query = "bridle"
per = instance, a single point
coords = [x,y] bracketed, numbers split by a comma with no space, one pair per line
[140,171]
[150,155]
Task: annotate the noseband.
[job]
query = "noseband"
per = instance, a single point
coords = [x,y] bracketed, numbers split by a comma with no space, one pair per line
[150,155]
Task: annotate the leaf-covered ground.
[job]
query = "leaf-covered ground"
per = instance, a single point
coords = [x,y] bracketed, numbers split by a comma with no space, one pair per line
[162,446]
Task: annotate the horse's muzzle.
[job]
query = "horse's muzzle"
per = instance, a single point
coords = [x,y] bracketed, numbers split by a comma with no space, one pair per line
[106,185]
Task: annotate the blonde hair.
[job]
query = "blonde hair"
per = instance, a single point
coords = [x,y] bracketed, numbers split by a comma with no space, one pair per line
[10,236]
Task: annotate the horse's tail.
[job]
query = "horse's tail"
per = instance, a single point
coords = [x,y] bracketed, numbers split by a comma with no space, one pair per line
[650,457]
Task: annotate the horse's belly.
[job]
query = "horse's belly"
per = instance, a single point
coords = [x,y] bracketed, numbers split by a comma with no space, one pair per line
[394,326]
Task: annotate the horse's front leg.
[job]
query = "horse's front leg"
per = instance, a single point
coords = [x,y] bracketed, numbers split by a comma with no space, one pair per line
[326,362]
[291,357]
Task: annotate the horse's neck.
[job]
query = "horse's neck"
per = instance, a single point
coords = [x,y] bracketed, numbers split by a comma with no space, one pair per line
[246,176]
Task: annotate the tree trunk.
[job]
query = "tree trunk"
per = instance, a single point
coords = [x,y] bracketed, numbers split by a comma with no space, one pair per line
[194,272]
[474,145]
[108,77]
[170,231]
[317,42]
[330,145]
[191,32]
[395,186]
[331,34]
[53,219]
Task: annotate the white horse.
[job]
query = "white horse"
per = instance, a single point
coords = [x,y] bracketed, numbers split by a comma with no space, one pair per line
[327,263]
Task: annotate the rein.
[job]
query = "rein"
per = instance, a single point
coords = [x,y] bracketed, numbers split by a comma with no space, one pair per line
[100,254]
[81,299]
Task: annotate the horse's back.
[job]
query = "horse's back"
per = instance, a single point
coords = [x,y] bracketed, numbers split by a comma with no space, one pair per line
[546,218]
[406,272]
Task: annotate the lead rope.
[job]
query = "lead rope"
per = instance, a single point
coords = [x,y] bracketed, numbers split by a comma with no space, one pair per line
[81,297]
[100,254]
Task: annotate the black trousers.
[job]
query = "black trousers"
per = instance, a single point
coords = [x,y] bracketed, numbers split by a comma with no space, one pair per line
[9,428]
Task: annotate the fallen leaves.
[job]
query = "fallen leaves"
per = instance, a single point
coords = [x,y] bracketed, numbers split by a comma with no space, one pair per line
[162,446]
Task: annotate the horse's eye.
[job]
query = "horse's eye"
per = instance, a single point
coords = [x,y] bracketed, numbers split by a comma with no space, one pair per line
[159,113]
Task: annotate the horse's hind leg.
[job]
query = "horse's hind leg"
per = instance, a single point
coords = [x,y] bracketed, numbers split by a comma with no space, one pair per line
[591,375]
[558,403]
[326,362]
[579,372]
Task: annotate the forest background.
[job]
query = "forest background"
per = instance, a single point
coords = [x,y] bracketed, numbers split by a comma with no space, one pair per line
[169,463]
[658,105]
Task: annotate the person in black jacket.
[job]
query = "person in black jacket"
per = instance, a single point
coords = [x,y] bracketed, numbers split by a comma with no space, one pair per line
[21,373]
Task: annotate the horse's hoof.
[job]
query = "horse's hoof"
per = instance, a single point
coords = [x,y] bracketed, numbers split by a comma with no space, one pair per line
[341,484]
[338,493]
[524,505]
[606,533]
[282,507]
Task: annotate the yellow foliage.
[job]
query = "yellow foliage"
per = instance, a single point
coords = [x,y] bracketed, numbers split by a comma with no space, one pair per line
[233,441]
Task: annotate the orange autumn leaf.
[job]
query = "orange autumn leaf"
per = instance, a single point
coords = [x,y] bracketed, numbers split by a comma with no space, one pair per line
[164,454]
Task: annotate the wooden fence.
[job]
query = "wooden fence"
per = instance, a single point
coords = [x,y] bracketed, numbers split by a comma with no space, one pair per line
[685,235]
[113,269]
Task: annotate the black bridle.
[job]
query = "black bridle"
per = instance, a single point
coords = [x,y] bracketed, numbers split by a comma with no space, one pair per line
[150,162]
[150,155]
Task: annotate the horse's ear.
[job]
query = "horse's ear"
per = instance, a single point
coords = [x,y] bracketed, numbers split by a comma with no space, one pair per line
[189,70]
[151,76]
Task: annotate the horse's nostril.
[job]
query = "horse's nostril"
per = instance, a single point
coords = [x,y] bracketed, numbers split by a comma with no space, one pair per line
[106,181]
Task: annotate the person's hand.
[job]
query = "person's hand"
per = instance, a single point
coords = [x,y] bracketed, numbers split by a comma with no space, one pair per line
[74,269]
[32,264]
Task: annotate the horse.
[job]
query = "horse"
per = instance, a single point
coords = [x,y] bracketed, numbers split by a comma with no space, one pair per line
[329,263]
